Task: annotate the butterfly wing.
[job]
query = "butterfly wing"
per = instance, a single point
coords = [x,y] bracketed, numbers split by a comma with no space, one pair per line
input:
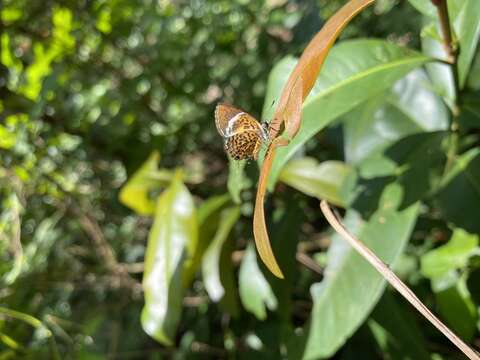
[231,121]
[224,117]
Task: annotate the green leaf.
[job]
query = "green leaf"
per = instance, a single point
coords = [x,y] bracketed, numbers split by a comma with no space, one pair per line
[171,245]
[467,27]
[459,198]
[323,181]
[440,74]
[415,162]
[396,330]
[451,256]
[409,107]
[456,306]
[473,80]
[211,259]
[276,80]
[351,286]
[353,72]
[470,114]
[7,138]
[255,292]
[135,193]
[427,8]
[286,226]
[237,179]
[208,222]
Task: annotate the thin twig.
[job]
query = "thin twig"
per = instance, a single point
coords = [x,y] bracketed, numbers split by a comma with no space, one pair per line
[308,262]
[390,276]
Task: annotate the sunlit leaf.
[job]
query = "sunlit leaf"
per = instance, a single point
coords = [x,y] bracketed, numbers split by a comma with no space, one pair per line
[171,245]
[303,76]
[323,181]
[353,72]
[7,138]
[451,256]
[136,192]
[409,107]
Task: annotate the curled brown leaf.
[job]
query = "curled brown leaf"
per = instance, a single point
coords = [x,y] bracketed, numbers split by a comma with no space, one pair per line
[288,114]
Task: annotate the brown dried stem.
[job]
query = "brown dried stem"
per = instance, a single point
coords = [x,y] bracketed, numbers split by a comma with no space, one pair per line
[393,279]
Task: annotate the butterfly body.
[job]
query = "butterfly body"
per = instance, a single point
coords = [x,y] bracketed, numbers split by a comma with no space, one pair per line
[242,133]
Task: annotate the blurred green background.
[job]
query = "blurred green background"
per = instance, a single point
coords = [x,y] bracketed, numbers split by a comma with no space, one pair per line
[107,138]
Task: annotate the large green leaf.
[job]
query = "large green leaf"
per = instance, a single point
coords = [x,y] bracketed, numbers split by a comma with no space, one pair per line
[351,286]
[459,198]
[353,72]
[457,308]
[467,27]
[427,8]
[440,74]
[255,291]
[171,245]
[208,221]
[396,331]
[409,107]
[135,193]
[323,181]
[211,259]
[416,162]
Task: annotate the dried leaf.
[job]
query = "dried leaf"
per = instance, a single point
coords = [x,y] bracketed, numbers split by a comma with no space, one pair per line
[288,112]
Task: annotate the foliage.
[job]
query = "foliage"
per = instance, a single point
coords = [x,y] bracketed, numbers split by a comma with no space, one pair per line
[112,177]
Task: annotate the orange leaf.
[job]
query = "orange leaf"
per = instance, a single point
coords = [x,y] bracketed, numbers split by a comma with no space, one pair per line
[259,226]
[288,112]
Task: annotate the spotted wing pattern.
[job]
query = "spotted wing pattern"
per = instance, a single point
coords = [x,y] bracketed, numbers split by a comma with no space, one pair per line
[243,134]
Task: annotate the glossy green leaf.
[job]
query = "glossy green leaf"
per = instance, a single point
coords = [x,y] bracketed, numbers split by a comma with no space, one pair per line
[211,269]
[323,181]
[427,8]
[276,80]
[255,291]
[451,256]
[467,28]
[171,245]
[409,107]
[440,74]
[351,286]
[459,198]
[353,72]
[135,193]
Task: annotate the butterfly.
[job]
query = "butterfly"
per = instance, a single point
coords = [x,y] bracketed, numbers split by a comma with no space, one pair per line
[242,133]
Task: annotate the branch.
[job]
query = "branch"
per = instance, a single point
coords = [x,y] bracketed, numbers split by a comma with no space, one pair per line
[390,276]
[452,52]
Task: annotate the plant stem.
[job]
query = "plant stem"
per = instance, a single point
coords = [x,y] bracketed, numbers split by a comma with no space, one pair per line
[452,52]
[393,279]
